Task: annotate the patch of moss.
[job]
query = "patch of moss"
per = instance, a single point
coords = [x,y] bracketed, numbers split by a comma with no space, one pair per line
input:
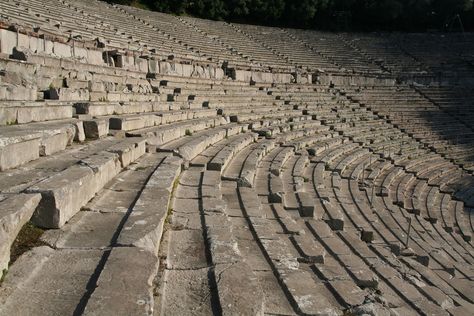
[28,237]
[170,209]
[2,276]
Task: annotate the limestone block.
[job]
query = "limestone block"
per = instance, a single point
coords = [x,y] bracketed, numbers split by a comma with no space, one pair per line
[80,135]
[16,211]
[94,57]
[8,40]
[98,109]
[114,96]
[153,66]
[96,86]
[77,84]
[302,78]
[48,47]
[177,69]
[126,62]
[141,64]
[62,50]
[17,153]
[144,227]
[40,114]
[54,143]
[307,208]
[36,45]
[68,94]
[125,285]
[23,40]
[128,123]
[282,78]
[97,96]
[246,297]
[262,77]
[8,115]
[64,193]
[206,72]
[79,53]
[95,129]
[106,165]
[187,70]
[241,75]
[17,93]
[129,150]
[165,68]
[219,73]
[198,72]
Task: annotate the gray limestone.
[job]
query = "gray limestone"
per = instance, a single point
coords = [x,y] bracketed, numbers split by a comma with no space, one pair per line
[64,193]
[144,226]
[54,281]
[125,285]
[15,211]
[15,154]
[186,292]
[95,129]
[239,290]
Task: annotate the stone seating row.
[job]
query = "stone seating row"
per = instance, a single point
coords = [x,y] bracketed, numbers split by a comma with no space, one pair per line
[336,191]
[288,225]
[258,227]
[418,125]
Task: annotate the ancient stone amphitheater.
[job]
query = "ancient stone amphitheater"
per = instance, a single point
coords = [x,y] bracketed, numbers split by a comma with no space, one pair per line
[182,166]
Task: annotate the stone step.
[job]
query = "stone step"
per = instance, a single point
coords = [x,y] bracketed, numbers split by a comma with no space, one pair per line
[159,135]
[36,112]
[20,144]
[192,145]
[64,193]
[144,227]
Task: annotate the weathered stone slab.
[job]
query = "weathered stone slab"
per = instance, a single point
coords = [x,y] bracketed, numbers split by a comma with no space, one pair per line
[54,281]
[64,193]
[186,292]
[251,202]
[15,211]
[95,129]
[129,150]
[308,295]
[144,226]
[312,251]
[85,230]
[186,250]
[307,204]
[239,290]
[125,285]
[15,154]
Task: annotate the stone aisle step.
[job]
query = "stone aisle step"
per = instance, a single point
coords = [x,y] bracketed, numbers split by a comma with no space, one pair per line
[186,276]
[208,222]
[139,238]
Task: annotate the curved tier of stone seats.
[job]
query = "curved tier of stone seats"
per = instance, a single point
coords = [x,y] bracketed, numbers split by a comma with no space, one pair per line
[333,48]
[165,37]
[421,119]
[324,251]
[180,166]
